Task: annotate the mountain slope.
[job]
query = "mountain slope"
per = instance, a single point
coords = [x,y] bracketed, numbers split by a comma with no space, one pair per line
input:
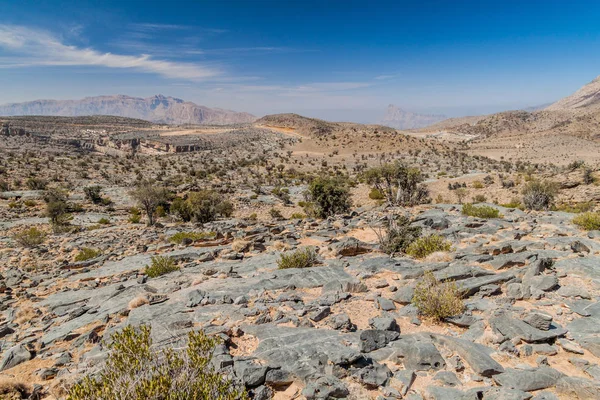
[587,96]
[156,109]
[398,118]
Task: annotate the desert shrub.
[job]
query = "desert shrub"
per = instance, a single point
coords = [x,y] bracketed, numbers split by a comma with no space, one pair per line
[275,214]
[36,183]
[480,211]
[401,185]
[252,217]
[92,193]
[301,258]
[135,215]
[149,196]
[437,300]
[297,216]
[573,165]
[424,246]
[576,208]
[375,194]
[4,186]
[514,203]
[160,265]
[397,234]
[588,176]
[539,195]
[29,203]
[179,237]
[282,193]
[479,198]
[31,237]
[136,370]
[478,185]
[57,211]
[104,221]
[461,193]
[160,211]
[589,221]
[87,254]
[203,206]
[326,197]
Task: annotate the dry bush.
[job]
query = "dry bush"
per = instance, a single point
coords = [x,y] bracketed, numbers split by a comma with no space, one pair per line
[426,245]
[138,302]
[589,221]
[397,234]
[437,300]
[539,195]
[301,258]
[239,245]
[31,237]
[12,389]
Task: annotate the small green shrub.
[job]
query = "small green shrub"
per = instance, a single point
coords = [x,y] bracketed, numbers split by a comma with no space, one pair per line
[252,217]
[589,221]
[480,211]
[297,216]
[160,265]
[576,208]
[397,235]
[135,215]
[301,258]
[104,221]
[539,195]
[514,203]
[92,194]
[179,237]
[375,194]
[275,214]
[203,206]
[87,254]
[31,237]
[36,183]
[479,198]
[30,203]
[426,245]
[136,370]
[437,300]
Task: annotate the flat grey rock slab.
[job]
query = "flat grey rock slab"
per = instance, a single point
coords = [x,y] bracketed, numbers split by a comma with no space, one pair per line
[528,380]
[512,327]
[474,354]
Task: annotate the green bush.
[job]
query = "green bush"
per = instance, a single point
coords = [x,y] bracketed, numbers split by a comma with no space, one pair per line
[480,211]
[375,194]
[36,184]
[92,193]
[275,214]
[136,370]
[514,203]
[203,206]
[539,195]
[589,221]
[31,237]
[326,197]
[297,216]
[437,300]
[426,245]
[87,254]
[576,208]
[397,235]
[478,185]
[104,221]
[160,265]
[179,237]
[135,215]
[479,198]
[301,258]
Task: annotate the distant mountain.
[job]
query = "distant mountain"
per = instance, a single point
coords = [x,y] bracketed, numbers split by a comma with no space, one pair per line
[398,118]
[160,109]
[587,96]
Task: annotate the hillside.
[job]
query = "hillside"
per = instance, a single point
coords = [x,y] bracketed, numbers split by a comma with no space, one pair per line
[398,118]
[587,96]
[157,108]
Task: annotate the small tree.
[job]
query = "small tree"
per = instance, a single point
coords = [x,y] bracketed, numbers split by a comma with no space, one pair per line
[397,234]
[149,196]
[461,193]
[327,196]
[400,184]
[92,193]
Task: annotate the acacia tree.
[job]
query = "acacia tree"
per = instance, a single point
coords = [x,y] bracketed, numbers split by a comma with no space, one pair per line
[400,184]
[149,196]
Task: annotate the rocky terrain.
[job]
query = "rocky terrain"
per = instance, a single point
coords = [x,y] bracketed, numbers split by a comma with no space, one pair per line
[160,109]
[398,118]
[345,326]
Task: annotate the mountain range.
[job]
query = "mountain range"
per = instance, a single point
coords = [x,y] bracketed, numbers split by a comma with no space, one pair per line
[398,118]
[159,109]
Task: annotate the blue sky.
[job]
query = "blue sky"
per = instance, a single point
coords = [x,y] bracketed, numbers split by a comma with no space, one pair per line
[329,59]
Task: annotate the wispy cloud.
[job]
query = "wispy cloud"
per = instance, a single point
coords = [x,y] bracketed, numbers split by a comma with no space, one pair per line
[37,48]
[386,77]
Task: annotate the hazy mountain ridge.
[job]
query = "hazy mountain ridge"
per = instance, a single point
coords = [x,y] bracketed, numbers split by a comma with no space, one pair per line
[157,108]
[398,118]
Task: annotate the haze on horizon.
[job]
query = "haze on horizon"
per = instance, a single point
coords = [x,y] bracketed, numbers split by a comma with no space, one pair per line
[338,60]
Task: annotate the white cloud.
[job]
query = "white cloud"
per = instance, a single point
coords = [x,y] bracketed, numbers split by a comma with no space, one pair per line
[35,48]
